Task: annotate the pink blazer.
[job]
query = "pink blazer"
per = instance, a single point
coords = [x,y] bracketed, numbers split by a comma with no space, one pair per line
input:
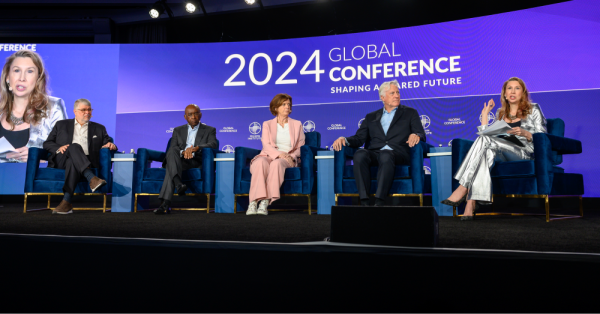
[269,137]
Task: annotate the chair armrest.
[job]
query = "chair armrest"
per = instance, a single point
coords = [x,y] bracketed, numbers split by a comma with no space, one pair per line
[561,145]
[34,157]
[208,169]
[308,166]
[242,156]
[340,158]
[417,154]
[104,172]
[460,148]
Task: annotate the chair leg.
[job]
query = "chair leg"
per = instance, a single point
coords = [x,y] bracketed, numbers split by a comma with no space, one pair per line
[309,209]
[48,201]
[547,205]
[25,204]
[135,204]
[104,206]
[454,211]
[208,203]
[421,200]
[336,201]
[234,203]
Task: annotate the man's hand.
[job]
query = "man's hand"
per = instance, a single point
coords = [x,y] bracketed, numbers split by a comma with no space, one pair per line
[337,145]
[21,154]
[188,153]
[62,149]
[109,145]
[413,140]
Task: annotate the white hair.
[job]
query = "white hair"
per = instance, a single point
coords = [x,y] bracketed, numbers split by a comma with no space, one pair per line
[386,85]
[82,101]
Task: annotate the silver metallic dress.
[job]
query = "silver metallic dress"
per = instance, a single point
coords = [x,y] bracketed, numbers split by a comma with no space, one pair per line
[474,173]
[38,133]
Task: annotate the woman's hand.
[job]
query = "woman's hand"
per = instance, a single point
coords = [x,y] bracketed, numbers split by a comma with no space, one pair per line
[520,132]
[487,107]
[290,159]
[21,154]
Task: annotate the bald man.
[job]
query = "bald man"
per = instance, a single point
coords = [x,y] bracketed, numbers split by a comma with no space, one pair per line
[185,152]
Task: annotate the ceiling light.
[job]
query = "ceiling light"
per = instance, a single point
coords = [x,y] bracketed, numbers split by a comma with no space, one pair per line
[156,10]
[190,7]
[250,1]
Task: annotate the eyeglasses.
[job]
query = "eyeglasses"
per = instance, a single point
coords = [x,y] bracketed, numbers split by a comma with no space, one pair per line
[86,110]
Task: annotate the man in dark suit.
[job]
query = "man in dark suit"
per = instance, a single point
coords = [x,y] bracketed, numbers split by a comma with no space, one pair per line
[75,146]
[391,132]
[184,153]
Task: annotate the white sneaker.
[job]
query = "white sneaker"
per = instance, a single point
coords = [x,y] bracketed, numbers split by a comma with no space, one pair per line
[251,208]
[262,207]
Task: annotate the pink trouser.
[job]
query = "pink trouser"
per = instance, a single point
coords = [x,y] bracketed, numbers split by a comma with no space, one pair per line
[267,178]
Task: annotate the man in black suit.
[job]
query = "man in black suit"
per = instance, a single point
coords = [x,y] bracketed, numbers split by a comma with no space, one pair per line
[391,132]
[75,146]
[184,153]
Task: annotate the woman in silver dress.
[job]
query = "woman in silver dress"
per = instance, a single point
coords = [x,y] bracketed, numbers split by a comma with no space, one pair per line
[27,113]
[525,118]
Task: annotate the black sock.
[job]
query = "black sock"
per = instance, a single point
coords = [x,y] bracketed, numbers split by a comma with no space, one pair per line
[67,197]
[88,174]
[177,180]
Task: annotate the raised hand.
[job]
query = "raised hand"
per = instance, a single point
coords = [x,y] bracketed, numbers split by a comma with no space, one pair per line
[487,107]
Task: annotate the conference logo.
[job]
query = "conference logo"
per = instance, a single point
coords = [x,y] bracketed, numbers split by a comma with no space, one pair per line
[170,130]
[426,122]
[309,126]
[360,122]
[491,118]
[228,129]
[336,127]
[228,149]
[454,121]
[427,170]
[254,129]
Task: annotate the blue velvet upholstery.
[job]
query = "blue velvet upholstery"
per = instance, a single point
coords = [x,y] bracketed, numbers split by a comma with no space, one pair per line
[297,180]
[198,180]
[51,180]
[540,176]
[408,179]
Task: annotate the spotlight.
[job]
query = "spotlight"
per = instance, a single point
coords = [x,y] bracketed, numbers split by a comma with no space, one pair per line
[156,10]
[250,1]
[190,7]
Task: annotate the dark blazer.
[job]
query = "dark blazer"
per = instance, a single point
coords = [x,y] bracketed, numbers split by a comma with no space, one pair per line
[406,121]
[62,134]
[206,137]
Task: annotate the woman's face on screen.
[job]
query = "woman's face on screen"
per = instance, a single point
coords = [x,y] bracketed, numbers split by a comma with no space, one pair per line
[23,76]
[513,92]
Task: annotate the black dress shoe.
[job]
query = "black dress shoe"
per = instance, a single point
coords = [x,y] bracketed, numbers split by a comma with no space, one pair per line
[164,208]
[455,204]
[181,189]
[379,202]
[364,202]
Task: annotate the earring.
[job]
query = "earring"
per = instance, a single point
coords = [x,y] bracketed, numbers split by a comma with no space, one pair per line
[9,87]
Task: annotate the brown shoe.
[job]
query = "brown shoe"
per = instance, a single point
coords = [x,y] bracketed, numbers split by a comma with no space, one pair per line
[96,183]
[63,208]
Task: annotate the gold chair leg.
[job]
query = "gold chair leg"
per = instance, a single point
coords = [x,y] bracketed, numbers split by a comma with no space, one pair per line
[104,205]
[336,201]
[421,200]
[547,205]
[309,209]
[135,204]
[234,203]
[25,204]
[48,201]
[208,203]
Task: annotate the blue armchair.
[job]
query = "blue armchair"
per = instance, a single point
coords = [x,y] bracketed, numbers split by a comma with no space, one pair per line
[49,181]
[409,180]
[148,181]
[298,181]
[538,178]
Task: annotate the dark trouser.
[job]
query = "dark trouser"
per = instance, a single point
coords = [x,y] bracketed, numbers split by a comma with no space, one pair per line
[175,166]
[74,161]
[387,160]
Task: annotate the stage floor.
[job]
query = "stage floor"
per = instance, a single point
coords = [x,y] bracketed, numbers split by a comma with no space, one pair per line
[528,233]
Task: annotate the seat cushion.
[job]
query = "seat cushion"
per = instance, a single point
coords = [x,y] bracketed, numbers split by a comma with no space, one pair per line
[53,174]
[154,174]
[401,171]
[513,169]
[291,174]
[192,175]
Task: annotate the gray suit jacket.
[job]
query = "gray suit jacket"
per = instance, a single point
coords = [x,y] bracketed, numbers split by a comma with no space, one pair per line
[206,137]
[535,123]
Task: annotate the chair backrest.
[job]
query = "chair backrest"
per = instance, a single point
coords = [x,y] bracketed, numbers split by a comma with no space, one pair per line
[312,139]
[556,127]
[169,145]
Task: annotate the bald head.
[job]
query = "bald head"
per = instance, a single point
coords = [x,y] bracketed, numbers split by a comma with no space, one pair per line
[193,115]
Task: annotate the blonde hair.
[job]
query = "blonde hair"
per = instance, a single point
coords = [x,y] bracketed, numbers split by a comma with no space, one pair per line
[524,105]
[38,100]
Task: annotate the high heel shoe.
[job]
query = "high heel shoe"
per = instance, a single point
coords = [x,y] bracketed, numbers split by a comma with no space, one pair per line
[464,218]
[454,204]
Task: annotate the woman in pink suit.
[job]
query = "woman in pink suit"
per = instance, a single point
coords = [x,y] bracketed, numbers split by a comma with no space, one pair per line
[282,138]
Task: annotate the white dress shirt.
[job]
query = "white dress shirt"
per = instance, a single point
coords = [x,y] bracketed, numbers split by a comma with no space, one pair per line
[80,135]
[283,141]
